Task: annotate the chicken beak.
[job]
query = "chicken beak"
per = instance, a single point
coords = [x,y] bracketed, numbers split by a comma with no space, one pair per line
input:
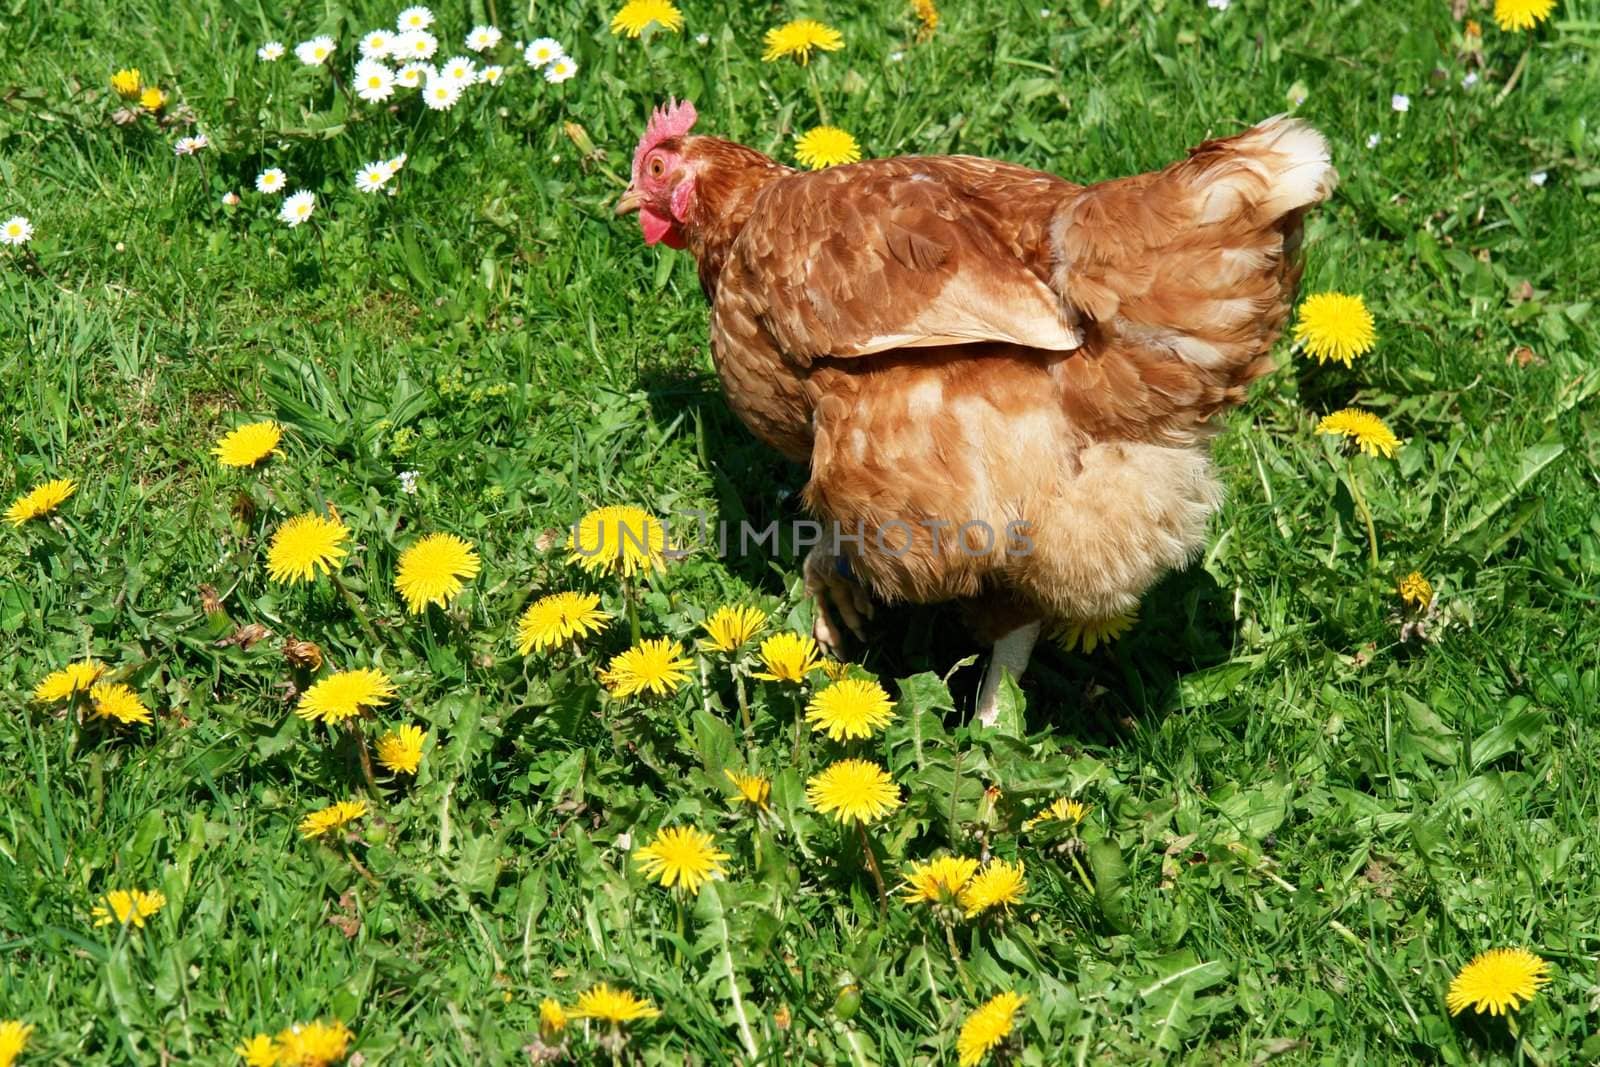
[629,203]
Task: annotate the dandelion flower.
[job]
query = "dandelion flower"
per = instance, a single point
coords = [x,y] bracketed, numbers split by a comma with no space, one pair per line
[13,1039]
[928,15]
[788,657]
[415,18]
[482,38]
[1522,14]
[124,906]
[305,544]
[798,38]
[413,75]
[316,1044]
[16,230]
[618,540]
[344,695]
[415,44]
[1366,429]
[729,628]
[998,885]
[258,1051]
[40,501]
[1089,634]
[272,180]
[1060,810]
[441,94]
[543,52]
[753,789]
[459,69]
[152,99]
[552,1019]
[559,70]
[400,750]
[850,710]
[297,207]
[1497,981]
[74,678]
[939,881]
[636,15]
[377,44]
[431,570]
[1335,326]
[826,146]
[374,82]
[490,75]
[681,856]
[117,701]
[126,83]
[987,1027]
[554,620]
[654,665]
[315,52]
[270,52]
[1415,590]
[247,445]
[331,818]
[853,790]
[613,1005]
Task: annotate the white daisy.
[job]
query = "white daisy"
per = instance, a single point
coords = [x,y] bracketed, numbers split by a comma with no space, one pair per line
[895,57]
[188,146]
[270,52]
[1400,102]
[415,18]
[376,45]
[1373,139]
[393,165]
[702,38]
[371,178]
[1470,82]
[459,69]
[298,208]
[272,180]
[413,75]
[543,52]
[230,199]
[441,94]
[408,482]
[314,53]
[374,82]
[15,231]
[1539,177]
[560,71]
[415,44]
[482,38]
[1220,5]
[490,75]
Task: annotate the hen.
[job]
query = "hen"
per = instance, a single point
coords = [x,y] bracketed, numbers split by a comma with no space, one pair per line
[1005,384]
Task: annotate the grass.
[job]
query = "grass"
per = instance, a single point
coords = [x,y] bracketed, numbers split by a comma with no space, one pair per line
[1300,825]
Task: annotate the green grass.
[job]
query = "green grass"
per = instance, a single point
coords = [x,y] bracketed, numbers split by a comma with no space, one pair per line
[1301,825]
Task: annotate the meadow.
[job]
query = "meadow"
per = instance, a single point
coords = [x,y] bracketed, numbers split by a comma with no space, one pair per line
[338,799]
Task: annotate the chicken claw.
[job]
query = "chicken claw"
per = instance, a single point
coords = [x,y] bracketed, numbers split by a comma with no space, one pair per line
[827,582]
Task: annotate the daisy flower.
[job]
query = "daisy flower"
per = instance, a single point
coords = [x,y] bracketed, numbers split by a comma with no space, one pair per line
[1368,431]
[441,93]
[345,695]
[125,83]
[41,500]
[490,75]
[272,180]
[482,38]
[315,52]
[998,885]
[459,69]
[298,207]
[555,620]
[1538,178]
[788,657]
[400,750]
[16,230]
[74,678]
[413,75]
[270,52]
[393,166]
[939,882]
[124,907]
[1088,634]
[1497,981]
[230,199]
[374,82]
[543,52]
[799,38]
[306,544]
[372,177]
[636,15]
[377,43]
[681,857]
[826,146]
[1335,326]
[1522,14]
[1400,102]
[415,18]
[188,146]
[247,445]
[316,1044]
[14,1035]
[117,701]
[731,628]
[850,710]
[560,70]
[415,44]
[853,790]
[432,569]
[657,666]
[612,1005]
[987,1027]
[618,539]
[320,822]
[752,788]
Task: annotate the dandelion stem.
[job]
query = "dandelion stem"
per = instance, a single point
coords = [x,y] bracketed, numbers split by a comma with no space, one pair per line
[359,868]
[1083,875]
[816,93]
[1516,73]
[366,760]
[633,611]
[877,875]
[950,941]
[744,708]
[356,609]
[1366,513]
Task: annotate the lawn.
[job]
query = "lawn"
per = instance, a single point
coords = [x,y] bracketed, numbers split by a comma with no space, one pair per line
[1307,802]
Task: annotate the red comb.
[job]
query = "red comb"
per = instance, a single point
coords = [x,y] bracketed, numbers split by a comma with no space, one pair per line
[671,120]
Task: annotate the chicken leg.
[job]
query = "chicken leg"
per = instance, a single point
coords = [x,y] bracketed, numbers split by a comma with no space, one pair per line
[826,582]
[1010,656]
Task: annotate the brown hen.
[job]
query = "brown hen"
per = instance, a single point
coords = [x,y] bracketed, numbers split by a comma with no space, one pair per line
[1005,384]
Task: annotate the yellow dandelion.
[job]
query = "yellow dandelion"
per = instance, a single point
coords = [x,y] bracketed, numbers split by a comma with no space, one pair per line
[152,99]
[1522,14]
[554,620]
[314,1044]
[126,83]
[1364,428]
[681,856]
[638,14]
[826,146]
[655,665]
[258,1051]
[798,38]
[853,790]
[987,1027]
[938,881]
[305,544]
[618,540]
[400,750]
[76,677]
[552,1019]
[613,1005]
[1497,981]
[124,907]
[788,657]
[345,694]
[40,501]
[928,15]
[432,569]
[117,701]
[1090,634]
[331,818]
[14,1035]
[730,628]
[998,885]
[1415,590]
[753,789]
[849,710]
[1335,326]
[247,445]
[835,670]
[1060,810]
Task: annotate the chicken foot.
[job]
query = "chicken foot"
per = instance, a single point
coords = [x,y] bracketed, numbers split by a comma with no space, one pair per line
[830,586]
[1010,656]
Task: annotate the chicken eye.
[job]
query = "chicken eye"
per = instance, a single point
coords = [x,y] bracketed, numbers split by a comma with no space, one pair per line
[657,167]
